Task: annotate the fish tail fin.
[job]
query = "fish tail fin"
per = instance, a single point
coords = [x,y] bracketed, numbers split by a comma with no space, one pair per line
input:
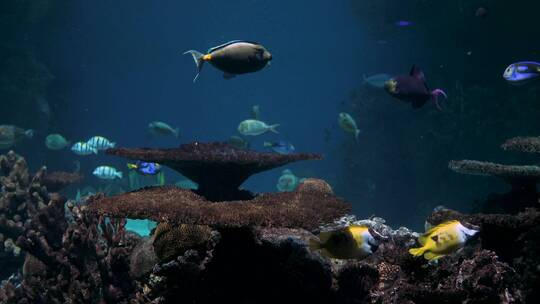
[435,96]
[177,132]
[315,244]
[132,166]
[112,145]
[198,58]
[119,174]
[417,251]
[29,133]
[267,144]
[272,128]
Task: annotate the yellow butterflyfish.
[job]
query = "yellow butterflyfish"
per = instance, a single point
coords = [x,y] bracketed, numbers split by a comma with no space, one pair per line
[442,239]
[352,242]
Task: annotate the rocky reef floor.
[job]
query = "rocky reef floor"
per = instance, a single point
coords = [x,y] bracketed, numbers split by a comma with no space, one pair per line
[71,253]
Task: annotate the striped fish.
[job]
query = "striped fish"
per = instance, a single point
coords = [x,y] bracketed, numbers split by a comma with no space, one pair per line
[100,143]
[107,172]
[82,148]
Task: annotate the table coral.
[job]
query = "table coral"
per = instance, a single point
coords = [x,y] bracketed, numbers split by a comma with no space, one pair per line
[304,209]
[218,168]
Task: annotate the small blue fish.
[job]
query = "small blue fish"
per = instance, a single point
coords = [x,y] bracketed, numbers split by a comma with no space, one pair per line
[403,23]
[522,72]
[145,168]
[280,147]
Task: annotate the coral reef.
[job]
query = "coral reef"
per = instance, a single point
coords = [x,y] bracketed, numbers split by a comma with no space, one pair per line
[515,239]
[21,198]
[218,168]
[253,251]
[522,144]
[274,265]
[522,179]
[84,261]
[303,208]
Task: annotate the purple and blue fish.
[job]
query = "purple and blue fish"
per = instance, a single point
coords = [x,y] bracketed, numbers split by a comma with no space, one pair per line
[522,72]
[145,168]
[413,89]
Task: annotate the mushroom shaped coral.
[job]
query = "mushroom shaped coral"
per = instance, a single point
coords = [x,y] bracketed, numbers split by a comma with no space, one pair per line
[522,179]
[218,168]
[306,209]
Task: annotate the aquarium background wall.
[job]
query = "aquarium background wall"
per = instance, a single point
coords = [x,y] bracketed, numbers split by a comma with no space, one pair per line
[85,68]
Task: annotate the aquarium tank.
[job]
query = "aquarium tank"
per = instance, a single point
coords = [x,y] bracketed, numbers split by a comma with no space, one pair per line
[255,151]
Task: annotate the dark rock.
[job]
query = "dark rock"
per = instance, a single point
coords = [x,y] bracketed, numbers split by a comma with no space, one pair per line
[142,259]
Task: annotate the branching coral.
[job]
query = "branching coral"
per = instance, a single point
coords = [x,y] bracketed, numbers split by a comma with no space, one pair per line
[86,261]
[21,198]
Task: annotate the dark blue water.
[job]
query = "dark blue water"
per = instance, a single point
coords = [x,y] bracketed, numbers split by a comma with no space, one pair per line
[118,65]
[127,69]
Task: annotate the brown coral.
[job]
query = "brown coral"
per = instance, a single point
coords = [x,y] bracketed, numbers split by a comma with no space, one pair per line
[218,168]
[506,172]
[58,180]
[522,179]
[522,144]
[171,241]
[21,198]
[314,184]
[306,209]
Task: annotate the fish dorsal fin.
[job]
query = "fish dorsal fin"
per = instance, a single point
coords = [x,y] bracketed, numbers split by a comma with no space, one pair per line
[357,232]
[227,44]
[324,236]
[417,73]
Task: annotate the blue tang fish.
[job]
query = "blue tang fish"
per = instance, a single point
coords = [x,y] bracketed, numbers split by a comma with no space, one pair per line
[522,72]
[280,147]
[145,168]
